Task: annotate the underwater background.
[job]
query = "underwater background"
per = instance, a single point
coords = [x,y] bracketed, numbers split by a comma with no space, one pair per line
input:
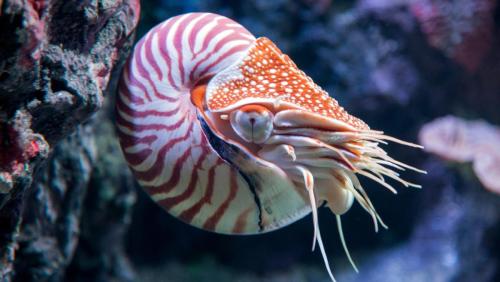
[424,71]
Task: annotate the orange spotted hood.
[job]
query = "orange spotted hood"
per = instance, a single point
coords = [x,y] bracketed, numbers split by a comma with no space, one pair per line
[266,75]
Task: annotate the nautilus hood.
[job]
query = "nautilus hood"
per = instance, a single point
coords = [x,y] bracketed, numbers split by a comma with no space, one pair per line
[265,75]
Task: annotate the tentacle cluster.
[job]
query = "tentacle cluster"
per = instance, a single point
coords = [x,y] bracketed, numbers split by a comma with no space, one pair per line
[337,156]
[313,140]
[328,162]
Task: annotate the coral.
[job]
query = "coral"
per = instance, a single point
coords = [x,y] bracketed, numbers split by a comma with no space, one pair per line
[459,140]
[18,149]
[462,29]
[50,229]
[106,213]
[487,168]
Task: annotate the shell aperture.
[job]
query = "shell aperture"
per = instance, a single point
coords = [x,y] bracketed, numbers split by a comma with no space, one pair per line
[227,134]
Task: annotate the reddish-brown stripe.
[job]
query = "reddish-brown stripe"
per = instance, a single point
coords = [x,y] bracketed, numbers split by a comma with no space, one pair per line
[241,221]
[124,90]
[210,35]
[132,81]
[142,70]
[212,221]
[193,181]
[197,65]
[178,44]
[121,106]
[162,41]
[152,61]
[191,212]
[227,54]
[128,140]
[137,157]
[157,167]
[194,32]
[149,53]
[218,46]
[151,126]
[174,178]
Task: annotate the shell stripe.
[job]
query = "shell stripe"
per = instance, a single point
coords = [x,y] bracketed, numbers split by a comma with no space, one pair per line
[161,138]
[172,201]
[124,108]
[191,212]
[158,167]
[214,219]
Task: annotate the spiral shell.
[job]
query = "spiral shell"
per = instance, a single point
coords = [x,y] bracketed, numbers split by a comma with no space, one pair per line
[162,138]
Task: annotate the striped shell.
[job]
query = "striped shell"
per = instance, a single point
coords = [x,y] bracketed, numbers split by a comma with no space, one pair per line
[163,141]
[227,134]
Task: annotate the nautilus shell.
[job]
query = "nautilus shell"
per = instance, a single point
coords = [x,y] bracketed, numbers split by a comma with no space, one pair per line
[227,134]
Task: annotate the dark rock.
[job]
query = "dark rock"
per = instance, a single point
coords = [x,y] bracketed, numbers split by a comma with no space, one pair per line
[51,221]
[56,61]
[100,255]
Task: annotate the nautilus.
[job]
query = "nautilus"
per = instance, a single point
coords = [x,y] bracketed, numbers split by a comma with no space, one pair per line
[227,134]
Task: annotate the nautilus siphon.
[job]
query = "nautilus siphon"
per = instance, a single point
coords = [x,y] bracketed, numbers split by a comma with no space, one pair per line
[225,132]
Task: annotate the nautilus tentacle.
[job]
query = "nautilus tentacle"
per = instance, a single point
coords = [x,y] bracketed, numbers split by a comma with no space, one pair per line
[227,134]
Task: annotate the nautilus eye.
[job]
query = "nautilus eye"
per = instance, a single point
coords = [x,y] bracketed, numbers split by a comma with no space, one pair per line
[226,133]
[252,123]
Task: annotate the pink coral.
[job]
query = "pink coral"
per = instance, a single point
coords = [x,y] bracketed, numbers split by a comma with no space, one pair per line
[487,168]
[35,32]
[459,140]
[18,149]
